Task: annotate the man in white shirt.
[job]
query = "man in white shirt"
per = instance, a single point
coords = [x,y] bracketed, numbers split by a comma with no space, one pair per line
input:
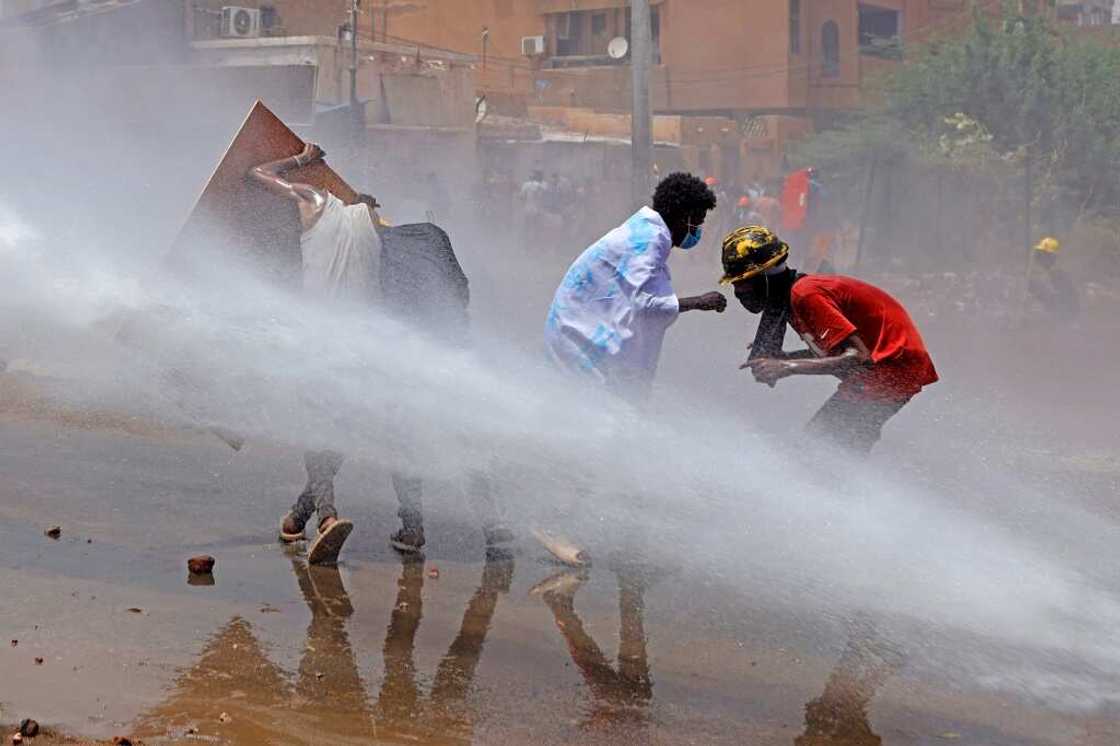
[610,313]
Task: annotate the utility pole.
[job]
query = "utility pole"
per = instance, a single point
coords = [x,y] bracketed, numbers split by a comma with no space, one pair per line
[1028,201]
[354,53]
[641,132]
[358,153]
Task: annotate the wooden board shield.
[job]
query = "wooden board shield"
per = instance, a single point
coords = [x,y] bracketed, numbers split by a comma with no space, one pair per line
[236,214]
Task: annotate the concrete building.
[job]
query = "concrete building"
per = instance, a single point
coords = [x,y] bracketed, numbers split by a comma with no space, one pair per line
[152,67]
[733,80]
[767,69]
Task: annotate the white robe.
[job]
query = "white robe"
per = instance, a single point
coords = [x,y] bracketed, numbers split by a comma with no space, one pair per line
[610,313]
[342,254]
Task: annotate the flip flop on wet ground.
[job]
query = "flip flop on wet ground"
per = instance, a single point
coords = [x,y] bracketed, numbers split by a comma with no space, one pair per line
[327,545]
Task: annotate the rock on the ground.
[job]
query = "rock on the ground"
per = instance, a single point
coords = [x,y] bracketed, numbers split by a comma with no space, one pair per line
[203,564]
[54,532]
[28,728]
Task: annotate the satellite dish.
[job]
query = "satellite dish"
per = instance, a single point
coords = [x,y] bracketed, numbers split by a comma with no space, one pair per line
[618,47]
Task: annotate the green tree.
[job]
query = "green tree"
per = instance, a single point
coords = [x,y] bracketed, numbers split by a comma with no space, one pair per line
[1006,87]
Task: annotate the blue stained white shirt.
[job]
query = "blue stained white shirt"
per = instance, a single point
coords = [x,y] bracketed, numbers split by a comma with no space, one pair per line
[610,314]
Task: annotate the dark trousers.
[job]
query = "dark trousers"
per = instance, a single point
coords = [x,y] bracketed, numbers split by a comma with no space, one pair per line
[852,424]
[318,495]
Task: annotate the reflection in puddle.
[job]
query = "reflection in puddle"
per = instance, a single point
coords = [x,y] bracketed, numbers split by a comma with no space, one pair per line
[329,691]
[401,712]
[839,717]
[234,691]
[620,696]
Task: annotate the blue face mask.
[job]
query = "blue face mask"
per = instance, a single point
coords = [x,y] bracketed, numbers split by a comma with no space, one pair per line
[693,238]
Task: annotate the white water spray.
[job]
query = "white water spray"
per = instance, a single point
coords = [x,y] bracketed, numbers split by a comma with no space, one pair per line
[230,350]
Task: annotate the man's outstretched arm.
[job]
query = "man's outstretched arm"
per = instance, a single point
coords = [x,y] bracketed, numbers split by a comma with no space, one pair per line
[271,176]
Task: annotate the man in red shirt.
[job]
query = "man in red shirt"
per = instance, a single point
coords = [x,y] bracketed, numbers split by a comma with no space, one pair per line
[853,330]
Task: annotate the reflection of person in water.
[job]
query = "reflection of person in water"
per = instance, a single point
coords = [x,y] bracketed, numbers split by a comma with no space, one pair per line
[234,676]
[839,717]
[328,702]
[622,696]
[400,712]
[329,684]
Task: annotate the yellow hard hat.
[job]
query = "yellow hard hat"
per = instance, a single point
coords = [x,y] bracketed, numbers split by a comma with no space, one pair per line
[749,251]
[1048,245]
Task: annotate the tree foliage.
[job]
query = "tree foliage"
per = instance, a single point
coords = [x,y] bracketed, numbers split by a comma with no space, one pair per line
[1004,88]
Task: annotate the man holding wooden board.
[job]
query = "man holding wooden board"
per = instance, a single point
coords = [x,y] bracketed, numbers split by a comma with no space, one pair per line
[347,254]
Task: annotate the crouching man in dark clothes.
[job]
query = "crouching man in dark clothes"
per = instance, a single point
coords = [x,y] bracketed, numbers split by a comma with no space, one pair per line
[853,330]
[349,254]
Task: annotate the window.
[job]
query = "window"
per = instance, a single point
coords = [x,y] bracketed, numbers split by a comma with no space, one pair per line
[795,26]
[879,31]
[598,24]
[581,37]
[830,50]
[569,35]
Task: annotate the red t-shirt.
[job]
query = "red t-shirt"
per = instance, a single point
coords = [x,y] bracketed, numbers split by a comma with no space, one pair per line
[826,310]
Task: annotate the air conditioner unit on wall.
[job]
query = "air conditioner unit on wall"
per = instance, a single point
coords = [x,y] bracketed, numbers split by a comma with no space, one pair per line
[240,23]
[532,46]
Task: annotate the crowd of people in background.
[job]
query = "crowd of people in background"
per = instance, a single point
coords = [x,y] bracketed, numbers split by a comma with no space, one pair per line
[551,208]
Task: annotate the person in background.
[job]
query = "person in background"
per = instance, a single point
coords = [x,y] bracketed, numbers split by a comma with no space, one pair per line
[854,331]
[745,213]
[722,214]
[534,198]
[768,207]
[1049,284]
[609,316]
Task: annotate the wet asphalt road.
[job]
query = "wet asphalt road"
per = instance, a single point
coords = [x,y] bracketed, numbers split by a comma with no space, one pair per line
[450,649]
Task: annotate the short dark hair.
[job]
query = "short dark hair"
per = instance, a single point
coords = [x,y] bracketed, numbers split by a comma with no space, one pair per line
[682,194]
[366,199]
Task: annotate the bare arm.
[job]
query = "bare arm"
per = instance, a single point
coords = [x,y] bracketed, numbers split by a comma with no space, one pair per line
[712,301]
[309,199]
[853,354]
[805,354]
